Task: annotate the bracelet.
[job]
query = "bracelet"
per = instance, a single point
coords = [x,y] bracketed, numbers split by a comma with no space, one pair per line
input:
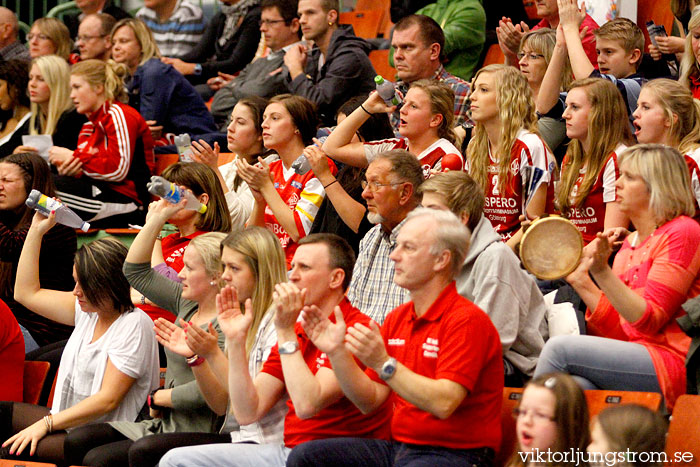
[331,183]
[366,111]
[194,360]
[48,421]
[151,402]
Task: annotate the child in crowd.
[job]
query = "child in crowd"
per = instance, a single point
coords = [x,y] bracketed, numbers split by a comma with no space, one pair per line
[286,200]
[596,122]
[427,118]
[244,136]
[622,431]
[620,46]
[668,114]
[110,362]
[179,406]
[690,70]
[506,155]
[115,150]
[552,417]
[52,112]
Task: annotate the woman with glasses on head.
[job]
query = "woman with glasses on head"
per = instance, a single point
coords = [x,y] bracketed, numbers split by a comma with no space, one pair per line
[163,96]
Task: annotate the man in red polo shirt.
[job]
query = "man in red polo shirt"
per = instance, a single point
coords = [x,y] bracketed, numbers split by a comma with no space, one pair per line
[321,271]
[437,356]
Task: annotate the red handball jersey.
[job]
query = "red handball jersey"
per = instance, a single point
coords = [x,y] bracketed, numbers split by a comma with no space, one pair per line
[532,164]
[303,194]
[109,143]
[589,217]
[429,159]
[693,159]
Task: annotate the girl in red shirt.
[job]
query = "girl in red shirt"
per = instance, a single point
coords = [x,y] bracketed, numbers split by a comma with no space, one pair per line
[105,178]
[595,118]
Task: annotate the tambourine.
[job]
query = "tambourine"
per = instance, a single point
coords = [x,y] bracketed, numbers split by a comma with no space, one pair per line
[551,247]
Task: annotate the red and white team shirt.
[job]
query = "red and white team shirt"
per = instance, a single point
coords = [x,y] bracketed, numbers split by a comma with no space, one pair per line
[693,161]
[589,217]
[429,159]
[108,143]
[532,164]
[303,194]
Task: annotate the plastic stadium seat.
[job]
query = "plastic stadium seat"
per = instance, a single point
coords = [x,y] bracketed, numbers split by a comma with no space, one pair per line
[600,399]
[366,23]
[511,397]
[34,378]
[380,62]
[684,432]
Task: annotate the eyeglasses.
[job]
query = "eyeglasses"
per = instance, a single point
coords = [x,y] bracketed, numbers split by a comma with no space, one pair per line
[269,22]
[375,186]
[537,417]
[530,56]
[89,38]
[41,37]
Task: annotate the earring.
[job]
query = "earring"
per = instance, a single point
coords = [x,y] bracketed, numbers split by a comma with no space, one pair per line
[296,132]
[212,283]
[330,24]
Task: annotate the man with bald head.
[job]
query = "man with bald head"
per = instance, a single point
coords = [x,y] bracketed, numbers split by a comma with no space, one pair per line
[10,46]
[93,40]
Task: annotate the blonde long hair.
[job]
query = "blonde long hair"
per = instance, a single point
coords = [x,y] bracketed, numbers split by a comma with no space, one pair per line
[675,99]
[264,256]
[516,111]
[689,65]
[144,36]
[608,121]
[55,72]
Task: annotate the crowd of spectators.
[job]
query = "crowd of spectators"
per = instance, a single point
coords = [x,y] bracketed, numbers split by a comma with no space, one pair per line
[346,288]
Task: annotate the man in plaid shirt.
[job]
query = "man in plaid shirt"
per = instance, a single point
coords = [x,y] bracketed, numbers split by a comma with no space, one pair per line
[418,44]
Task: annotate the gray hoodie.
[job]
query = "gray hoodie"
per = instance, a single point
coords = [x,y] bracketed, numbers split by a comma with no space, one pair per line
[491,277]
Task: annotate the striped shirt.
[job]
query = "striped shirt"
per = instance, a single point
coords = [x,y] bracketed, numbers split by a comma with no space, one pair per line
[178,34]
[372,289]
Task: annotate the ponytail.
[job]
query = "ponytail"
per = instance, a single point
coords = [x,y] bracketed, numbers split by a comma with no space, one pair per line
[109,74]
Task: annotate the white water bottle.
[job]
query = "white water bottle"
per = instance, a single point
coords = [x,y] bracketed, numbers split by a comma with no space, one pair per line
[64,215]
[172,193]
[183,143]
[386,91]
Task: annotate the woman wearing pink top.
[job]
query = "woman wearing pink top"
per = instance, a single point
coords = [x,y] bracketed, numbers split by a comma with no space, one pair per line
[635,342]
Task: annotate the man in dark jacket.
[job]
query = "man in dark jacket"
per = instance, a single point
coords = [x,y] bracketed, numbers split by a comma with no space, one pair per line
[333,71]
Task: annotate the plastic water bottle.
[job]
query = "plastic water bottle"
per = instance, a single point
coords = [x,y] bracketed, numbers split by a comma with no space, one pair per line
[386,91]
[184,147]
[301,165]
[172,193]
[64,215]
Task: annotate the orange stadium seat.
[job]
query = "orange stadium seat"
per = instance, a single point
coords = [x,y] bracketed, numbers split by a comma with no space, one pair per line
[511,396]
[684,432]
[598,400]
[366,23]
[34,378]
[380,62]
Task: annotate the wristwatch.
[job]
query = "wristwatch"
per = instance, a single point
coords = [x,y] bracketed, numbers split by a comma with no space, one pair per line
[198,69]
[388,369]
[289,347]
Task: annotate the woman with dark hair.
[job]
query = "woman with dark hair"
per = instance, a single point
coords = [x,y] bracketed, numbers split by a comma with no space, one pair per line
[287,205]
[244,137]
[343,210]
[20,174]
[179,406]
[167,257]
[14,77]
[110,362]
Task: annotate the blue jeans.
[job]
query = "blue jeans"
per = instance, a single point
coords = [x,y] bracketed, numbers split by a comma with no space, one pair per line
[362,452]
[600,363]
[228,455]
[29,342]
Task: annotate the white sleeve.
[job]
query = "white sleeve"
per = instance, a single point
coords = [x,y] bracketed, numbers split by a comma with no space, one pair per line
[131,349]
[695,185]
[610,174]
[539,155]
[309,202]
[376,147]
